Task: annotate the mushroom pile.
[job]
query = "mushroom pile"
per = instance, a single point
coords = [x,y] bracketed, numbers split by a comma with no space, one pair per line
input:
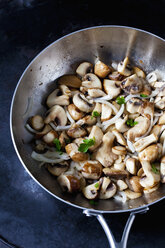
[103,133]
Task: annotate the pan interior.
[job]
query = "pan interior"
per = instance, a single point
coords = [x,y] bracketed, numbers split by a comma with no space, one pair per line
[108,43]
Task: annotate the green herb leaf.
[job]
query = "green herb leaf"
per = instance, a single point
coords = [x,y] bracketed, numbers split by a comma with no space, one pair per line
[154,169]
[120,100]
[58,144]
[92,202]
[143,95]
[97,185]
[85,146]
[95,114]
[131,122]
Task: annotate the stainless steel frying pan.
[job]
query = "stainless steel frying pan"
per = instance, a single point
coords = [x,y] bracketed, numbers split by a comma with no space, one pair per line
[108,43]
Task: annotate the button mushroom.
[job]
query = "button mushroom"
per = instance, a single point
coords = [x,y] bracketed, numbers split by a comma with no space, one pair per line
[108,188]
[111,87]
[131,194]
[70,81]
[106,112]
[36,122]
[84,68]
[134,184]
[132,165]
[101,69]
[69,183]
[90,80]
[115,174]
[72,151]
[124,67]
[91,191]
[120,124]
[139,72]
[64,139]
[75,113]
[95,93]
[49,137]
[55,99]
[133,105]
[132,84]
[57,115]
[121,185]
[82,103]
[91,169]
[104,153]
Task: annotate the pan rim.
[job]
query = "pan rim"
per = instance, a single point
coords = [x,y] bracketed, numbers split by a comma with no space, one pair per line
[12,132]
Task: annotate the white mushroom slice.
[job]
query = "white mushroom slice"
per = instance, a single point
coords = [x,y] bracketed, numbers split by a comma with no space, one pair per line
[133,105]
[72,151]
[57,115]
[84,68]
[87,120]
[95,92]
[97,108]
[134,184]
[104,154]
[151,189]
[131,165]
[65,90]
[101,69]
[133,84]
[119,166]
[157,130]
[115,174]
[91,191]
[119,150]
[162,169]
[49,137]
[160,102]
[144,142]
[151,153]
[162,119]
[131,194]
[124,67]
[75,113]
[111,88]
[82,103]
[54,99]
[70,81]
[76,131]
[120,124]
[58,169]
[119,137]
[69,183]
[91,169]
[139,72]
[36,122]
[121,185]
[139,129]
[98,134]
[147,109]
[90,80]
[106,112]
[108,188]
[151,178]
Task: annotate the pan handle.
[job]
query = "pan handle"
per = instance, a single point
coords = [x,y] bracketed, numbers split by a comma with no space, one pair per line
[107,230]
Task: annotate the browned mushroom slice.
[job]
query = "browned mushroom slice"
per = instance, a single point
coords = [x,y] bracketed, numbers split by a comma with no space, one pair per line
[101,69]
[98,134]
[76,131]
[64,139]
[70,80]
[49,137]
[36,122]
[55,99]
[91,191]
[69,183]
[90,80]
[116,76]
[91,169]
[57,115]
[75,113]
[124,67]
[108,188]
[82,103]
[46,129]
[72,151]
[139,72]
[132,84]
[58,169]
[84,68]
[134,184]
[151,153]
[115,174]
[146,109]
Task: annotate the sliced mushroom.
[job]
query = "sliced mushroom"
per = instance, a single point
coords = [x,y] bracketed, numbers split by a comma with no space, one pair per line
[119,150]
[98,134]
[157,129]
[58,169]
[101,69]
[70,80]
[151,153]
[91,169]
[36,122]
[116,76]
[120,124]
[72,151]
[108,188]
[91,191]
[49,137]
[162,169]
[134,184]
[45,130]
[133,105]
[111,87]
[76,131]
[142,143]
[139,72]
[90,80]
[119,165]
[106,112]
[160,102]
[64,139]
[131,194]
[84,68]
[69,183]
[147,109]
[121,185]
[152,77]
[149,190]
[133,84]
[104,153]
[55,99]
[162,119]
[146,89]
[82,103]
[57,115]
[132,165]
[115,174]
[75,113]
[150,179]
[119,137]
[65,90]
[124,67]
[87,120]
[97,108]
[139,129]
[95,93]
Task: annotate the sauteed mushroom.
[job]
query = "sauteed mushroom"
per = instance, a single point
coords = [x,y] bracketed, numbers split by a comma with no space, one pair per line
[57,115]
[82,103]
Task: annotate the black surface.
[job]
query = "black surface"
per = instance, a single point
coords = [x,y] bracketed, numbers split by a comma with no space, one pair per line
[30,217]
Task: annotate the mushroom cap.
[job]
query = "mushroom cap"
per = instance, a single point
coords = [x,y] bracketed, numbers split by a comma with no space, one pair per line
[76,131]
[72,151]
[115,174]
[56,114]
[90,80]
[82,103]
[133,105]
[75,113]
[91,191]
[134,184]
[84,68]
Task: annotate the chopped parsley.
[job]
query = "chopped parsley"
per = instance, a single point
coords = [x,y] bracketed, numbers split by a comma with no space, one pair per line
[131,122]
[97,185]
[120,100]
[58,145]
[95,114]
[143,95]
[86,145]
[154,169]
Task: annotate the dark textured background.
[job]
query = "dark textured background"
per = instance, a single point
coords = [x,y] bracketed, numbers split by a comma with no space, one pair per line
[30,217]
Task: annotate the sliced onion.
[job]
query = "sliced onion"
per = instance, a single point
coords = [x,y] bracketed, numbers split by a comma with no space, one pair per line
[107,98]
[42,158]
[108,103]
[130,145]
[30,129]
[59,128]
[106,124]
